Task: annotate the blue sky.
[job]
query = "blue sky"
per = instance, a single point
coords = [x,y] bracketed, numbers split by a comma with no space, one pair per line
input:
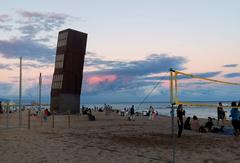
[131,45]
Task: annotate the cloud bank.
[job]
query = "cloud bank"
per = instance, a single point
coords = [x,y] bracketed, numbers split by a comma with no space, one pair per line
[230,65]
[232,75]
[132,76]
[34,40]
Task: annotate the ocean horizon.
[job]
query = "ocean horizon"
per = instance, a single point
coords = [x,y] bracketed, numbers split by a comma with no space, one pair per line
[163,108]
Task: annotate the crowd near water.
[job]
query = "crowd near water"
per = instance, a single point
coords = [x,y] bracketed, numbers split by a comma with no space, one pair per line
[191,114]
[164,108]
[161,108]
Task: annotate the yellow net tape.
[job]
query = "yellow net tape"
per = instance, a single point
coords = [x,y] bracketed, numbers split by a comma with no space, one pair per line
[204,105]
[212,80]
[171,88]
[176,90]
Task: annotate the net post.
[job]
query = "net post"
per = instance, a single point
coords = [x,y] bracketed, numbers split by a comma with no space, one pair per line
[173,136]
[52,119]
[7,109]
[171,85]
[41,117]
[20,93]
[172,113]
[68,119]
[40,91]
[29,119]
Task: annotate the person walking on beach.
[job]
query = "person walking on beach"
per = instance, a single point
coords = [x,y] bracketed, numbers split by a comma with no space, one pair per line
[131,113]
[235,114]
[180,114]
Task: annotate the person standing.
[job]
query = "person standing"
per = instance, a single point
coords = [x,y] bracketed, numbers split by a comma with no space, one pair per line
[180,114]
[220,113]
[132,112]
[151,113]
[235,114]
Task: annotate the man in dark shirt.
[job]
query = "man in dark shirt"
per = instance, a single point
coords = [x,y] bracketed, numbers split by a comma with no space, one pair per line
[180,114]
[131,113]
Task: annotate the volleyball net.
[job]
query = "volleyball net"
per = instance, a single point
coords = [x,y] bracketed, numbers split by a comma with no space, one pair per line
[189,89]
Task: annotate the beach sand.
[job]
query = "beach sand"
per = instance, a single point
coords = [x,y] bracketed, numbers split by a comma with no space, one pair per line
[110,139]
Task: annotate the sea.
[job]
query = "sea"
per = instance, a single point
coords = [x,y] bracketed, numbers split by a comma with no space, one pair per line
[164,108]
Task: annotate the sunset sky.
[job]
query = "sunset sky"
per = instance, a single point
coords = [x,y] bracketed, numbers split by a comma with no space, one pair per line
[131,46]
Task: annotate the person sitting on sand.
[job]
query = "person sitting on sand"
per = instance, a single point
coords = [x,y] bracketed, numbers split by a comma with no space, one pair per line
[195,123]
[180,114]
[209,124]
[187,124]
[90,116]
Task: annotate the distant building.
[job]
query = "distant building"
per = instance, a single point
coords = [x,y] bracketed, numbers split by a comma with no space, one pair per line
[67,77]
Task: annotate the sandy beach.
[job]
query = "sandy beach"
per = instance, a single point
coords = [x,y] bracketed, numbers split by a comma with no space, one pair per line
[110,139]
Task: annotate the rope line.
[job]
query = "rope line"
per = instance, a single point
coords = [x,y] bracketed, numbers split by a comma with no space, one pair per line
[212,80]
[157,84]
[177,102]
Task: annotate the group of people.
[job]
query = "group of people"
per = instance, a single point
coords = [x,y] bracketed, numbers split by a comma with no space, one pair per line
[151,113]
[234,114]
[108,109]
[209,125]
[193,124]
[88,111]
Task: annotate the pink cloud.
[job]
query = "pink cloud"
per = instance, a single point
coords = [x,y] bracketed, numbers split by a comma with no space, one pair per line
[4,18]
[95,80]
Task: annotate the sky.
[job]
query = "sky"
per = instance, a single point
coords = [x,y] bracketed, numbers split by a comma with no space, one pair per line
[131,46]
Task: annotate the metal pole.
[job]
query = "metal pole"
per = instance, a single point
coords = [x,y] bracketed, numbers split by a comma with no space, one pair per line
[7,109]
[20,93]
[29,119]
[172,101]
[171,87]
[41,117]
[40,90]
[52,119]
[68,120]
[173,136]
